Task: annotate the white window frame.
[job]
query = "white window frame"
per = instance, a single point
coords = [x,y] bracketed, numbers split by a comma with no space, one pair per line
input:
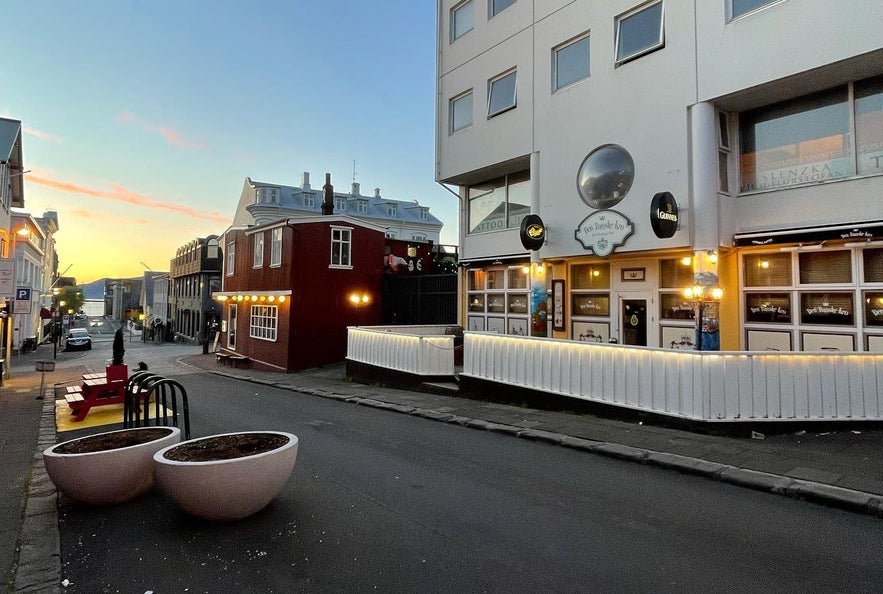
[309,199]
[276,247]
[258,245]
[490,93]
[231,258]
[492,9]
[392,235]
[731,14]
[263,322]
[424,214]
[557,50]
[341,237]
[660,43]
[340,203]
[418,237]
[460,9]
[392,210]
[362,206]
[453,125]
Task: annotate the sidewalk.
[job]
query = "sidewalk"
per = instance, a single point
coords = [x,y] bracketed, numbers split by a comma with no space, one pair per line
[839,468]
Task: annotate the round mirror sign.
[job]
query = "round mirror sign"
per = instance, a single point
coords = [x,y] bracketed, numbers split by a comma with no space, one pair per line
[605,176]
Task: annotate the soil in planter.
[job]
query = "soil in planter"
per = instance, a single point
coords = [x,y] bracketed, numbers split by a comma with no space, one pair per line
[225,447]
[111,441]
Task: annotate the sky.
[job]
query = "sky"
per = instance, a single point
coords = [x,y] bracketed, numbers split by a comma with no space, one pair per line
[141,120]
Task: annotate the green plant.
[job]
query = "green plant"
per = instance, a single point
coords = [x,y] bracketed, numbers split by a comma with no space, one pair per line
[118,349]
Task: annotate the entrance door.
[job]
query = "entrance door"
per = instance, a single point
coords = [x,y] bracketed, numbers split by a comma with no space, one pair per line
[636,319]
[231,327]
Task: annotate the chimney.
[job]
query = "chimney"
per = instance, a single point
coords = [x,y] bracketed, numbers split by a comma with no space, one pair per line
[377,192]
[355,188]
[305,181]
[327,196]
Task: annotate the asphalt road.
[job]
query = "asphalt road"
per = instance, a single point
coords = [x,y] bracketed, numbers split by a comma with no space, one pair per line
[381,501]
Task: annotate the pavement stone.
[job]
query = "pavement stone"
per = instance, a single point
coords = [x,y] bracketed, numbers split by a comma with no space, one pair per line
[837,468]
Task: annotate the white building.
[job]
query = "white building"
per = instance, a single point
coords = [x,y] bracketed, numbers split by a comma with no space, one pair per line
[665,144]
[263,203]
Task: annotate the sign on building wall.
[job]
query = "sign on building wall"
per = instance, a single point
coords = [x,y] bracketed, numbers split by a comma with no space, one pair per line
[22,300]
[7,279]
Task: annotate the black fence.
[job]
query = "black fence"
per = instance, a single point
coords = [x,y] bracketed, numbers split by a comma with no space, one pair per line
[420,299]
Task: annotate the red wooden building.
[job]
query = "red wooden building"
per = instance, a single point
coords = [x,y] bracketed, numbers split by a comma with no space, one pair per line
[291,288]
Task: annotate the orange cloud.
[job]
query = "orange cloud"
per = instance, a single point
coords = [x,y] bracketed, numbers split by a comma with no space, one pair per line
[41,135]
[170,135]
[121,194]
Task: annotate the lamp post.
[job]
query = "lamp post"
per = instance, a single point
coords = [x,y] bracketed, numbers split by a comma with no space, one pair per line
[707,303]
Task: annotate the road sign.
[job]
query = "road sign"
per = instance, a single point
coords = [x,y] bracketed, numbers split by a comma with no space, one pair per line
[23,300]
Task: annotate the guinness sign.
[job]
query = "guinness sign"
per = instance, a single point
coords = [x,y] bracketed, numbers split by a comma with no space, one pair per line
[664,215]
[533,232]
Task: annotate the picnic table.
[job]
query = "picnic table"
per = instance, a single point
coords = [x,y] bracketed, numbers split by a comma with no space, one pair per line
[95,390]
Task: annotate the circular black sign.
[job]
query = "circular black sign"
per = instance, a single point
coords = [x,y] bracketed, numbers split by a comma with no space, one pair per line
[533,232]
[664,215]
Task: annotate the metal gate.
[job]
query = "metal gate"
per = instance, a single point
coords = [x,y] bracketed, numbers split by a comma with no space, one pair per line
[420,299]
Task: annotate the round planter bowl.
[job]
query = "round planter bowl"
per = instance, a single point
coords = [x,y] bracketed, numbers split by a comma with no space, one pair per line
[228,489]
[109,476]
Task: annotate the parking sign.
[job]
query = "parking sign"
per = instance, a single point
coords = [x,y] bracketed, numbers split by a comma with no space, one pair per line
[23,300]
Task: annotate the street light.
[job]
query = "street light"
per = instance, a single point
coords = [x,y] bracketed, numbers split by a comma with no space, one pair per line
[707,300]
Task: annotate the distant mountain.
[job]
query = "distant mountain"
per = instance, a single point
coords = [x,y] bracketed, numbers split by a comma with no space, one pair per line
[94,290]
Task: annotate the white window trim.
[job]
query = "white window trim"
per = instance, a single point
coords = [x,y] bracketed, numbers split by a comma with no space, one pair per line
[258,246]
[276,248]
[566,44]
[462,5]
[490,9]
[490,85]
[231,259]
[261,313]
[660,44]
[453,100]
[349,245]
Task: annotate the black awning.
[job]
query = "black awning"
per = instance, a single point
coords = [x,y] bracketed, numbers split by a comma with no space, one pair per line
[858,231]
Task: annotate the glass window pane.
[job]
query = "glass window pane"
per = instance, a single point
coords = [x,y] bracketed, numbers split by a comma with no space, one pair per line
[740,7]
[590,276]
[826,267]
[827,308]
[639,32]
[487,206]
[519,198]
[476,302]
[796,142]
[517,278]
[675,273]
[518,303]
[590,304]
[461,20]
[869,125]
[461,112]
[874,308]
[502,94]
[774,308]
[873,259]
[496,279]
[496,303]
[498,6]
[476,280]
[768,270]
[674,306]
[571,63]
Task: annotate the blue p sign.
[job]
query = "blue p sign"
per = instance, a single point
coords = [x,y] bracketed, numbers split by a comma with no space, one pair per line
[23,294]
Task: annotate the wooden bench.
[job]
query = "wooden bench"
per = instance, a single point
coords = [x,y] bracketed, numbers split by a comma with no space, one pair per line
[93,392]
[73,390]
[222,358]
[73,399]
[237,360]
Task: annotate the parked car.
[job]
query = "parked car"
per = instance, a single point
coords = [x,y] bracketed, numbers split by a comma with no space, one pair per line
[78,338]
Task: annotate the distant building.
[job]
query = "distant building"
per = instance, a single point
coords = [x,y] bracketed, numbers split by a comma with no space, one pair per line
[122,298]
[262,202]
[194,274]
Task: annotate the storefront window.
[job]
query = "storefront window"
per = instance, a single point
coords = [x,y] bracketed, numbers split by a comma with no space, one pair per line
[675,273]
[476,280]
[830,309]
[590,276]
[825,267]
[499,203]
[770,308]
[518,303]
[517,278]
[874,308]
[496,279]
[873,261]
[869,125]
[496,303]
[591,304]
[476,302]
[675,307]
[767,270]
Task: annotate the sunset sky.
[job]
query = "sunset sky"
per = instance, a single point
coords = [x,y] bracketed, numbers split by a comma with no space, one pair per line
[142,119]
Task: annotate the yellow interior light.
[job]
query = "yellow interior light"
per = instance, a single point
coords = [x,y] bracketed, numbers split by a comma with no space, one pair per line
[686,260]
[281,298]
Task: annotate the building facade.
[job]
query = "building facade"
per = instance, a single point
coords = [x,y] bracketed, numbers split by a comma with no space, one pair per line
[194,274]
[261,203]
[667,146]
[36,267]
[291,288]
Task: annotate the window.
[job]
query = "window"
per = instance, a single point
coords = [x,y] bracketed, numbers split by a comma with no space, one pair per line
[723,153]
[309,199]
[869,125]
[500,203]
[231,257]
[391,210]
[276,247]
[341,246]
[418,237]
[796,142]
[462,17]
[263,322]
[495,7]
[639,32]
[231,326]
[737,8]
[501,94]
[362,206]
[339,204]
[424,214]
[258,249]
[461,112]
[767,270]
[570,62]
[825,267]
[392,234]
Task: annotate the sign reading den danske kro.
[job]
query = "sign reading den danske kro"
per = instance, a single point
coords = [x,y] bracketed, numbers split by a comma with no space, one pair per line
[602,231]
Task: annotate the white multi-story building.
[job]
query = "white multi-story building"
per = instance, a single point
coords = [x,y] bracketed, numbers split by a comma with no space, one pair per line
[667,144]
[263,203]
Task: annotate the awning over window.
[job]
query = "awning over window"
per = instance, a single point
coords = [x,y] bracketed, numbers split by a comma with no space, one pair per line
[856,231]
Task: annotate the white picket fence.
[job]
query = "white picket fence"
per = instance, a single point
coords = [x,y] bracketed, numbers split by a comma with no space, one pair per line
[703,386]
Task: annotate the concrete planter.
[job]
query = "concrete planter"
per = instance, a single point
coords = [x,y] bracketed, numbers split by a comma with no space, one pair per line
[229,488]
[107,476]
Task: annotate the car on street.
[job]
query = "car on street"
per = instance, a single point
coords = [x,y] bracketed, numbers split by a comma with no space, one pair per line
[78,338]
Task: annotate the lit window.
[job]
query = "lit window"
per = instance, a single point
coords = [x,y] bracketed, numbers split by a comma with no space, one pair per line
[737,8]
[639,32]
[258,250]
[495,7]
[570,62]
[461,112]
[231,257]
[276,247]
[501,94]
[462,17]
[341,247]
[263,322]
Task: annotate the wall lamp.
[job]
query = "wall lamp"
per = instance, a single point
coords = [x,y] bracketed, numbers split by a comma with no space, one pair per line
[702,293]
[360,298]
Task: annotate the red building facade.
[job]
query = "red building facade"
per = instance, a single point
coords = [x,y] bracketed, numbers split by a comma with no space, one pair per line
[292,287]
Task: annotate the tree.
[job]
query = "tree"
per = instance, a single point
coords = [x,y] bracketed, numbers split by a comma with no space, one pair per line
[72,297]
